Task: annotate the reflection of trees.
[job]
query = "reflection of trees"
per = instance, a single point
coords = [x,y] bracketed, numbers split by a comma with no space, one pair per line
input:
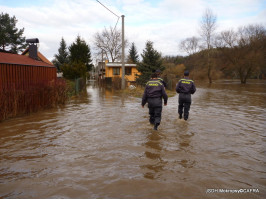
[153,154]
[82,97]
[111,95]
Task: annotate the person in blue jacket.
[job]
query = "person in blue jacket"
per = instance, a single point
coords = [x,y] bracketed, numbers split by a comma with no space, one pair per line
[185,88]
[153,94]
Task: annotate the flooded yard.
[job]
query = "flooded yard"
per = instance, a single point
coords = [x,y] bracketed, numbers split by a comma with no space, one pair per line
[101,145]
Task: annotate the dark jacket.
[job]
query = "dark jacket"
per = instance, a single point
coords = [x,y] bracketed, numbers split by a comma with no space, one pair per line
[185,86]
[153,94]
[162,81]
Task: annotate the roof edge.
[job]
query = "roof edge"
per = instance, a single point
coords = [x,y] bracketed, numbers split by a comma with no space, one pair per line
[47,65]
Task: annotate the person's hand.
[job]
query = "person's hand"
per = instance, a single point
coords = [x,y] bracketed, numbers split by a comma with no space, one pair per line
[142,106]
[165,104]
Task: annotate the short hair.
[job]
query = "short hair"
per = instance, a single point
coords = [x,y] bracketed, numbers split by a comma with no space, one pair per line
[154,75]
[186,73]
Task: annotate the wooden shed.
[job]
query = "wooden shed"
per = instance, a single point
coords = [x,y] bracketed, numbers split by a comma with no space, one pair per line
[21,71]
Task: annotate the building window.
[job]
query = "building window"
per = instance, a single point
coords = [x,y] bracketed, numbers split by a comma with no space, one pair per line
[128,71]
[116,71]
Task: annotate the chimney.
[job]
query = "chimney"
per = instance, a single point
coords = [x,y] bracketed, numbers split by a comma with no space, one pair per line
[33,47]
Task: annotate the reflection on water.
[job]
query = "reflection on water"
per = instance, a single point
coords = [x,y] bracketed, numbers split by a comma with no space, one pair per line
[155,163]
[101,145]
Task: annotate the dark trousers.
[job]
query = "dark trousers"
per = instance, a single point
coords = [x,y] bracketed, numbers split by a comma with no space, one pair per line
[184,104]
[155,115]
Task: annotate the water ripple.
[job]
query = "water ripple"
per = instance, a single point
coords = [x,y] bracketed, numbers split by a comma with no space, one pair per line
[101,145]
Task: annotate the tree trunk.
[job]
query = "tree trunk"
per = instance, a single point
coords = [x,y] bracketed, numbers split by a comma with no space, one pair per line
[241,76]
[243,81]
[249,70]
[209,74]
[209,67]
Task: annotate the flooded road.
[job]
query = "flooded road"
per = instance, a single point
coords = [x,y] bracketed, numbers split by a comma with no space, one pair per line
[101,145]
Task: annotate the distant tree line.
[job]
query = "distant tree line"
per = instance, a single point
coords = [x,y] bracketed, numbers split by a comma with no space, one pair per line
[229,54]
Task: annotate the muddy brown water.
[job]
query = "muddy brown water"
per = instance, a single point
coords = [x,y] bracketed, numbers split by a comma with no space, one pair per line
[101,145]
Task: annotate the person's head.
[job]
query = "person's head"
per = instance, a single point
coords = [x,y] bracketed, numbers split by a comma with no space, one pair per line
[158,71]
[186,73]
[154,75]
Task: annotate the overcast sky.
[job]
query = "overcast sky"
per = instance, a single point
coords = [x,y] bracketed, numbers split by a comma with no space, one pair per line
[164,22]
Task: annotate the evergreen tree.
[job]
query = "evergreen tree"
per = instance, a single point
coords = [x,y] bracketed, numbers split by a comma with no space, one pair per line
[133,56]
[151,61]
[80,52]
[74,70]
[62,56]
[10,36]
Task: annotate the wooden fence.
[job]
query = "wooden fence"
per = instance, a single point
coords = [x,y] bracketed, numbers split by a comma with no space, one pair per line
[26,89]
[22,77]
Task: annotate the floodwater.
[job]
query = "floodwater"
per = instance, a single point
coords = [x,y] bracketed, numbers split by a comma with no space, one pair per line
[101,145]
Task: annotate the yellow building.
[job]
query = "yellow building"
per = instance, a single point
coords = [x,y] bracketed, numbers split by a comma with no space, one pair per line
[115,70]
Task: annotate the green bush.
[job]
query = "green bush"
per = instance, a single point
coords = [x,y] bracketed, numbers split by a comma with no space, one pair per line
[74,70]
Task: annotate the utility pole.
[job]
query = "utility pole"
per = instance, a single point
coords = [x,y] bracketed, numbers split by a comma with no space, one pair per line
[123,53]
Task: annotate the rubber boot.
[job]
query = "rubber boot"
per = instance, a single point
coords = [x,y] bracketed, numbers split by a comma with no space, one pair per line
[156,126]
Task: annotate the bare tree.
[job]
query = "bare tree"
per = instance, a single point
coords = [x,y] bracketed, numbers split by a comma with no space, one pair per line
[207,29]
[109,42]
[244,49]
[226,39]
[190,45]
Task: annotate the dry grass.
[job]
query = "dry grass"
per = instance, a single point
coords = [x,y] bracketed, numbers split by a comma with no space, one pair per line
[15,102]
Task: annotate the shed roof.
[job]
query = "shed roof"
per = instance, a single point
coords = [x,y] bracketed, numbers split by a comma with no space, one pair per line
[9,58]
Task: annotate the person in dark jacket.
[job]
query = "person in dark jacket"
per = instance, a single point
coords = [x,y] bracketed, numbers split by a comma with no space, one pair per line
[158,72]
[185,88]
[153,94]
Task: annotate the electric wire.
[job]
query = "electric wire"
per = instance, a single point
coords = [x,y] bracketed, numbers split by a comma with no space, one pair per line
[112,13]
[107,8]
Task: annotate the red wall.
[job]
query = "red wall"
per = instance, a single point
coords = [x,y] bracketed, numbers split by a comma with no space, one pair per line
[23,76]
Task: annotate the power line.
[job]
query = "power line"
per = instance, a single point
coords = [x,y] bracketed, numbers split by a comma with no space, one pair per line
[107,8]
[111,12]
[116,23]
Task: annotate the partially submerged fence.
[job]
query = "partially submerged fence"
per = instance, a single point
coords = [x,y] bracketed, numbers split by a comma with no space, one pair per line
[27,85]
[14,102]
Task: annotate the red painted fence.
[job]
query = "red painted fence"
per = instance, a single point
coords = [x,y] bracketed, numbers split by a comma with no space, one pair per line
[28,85]
[22,77]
